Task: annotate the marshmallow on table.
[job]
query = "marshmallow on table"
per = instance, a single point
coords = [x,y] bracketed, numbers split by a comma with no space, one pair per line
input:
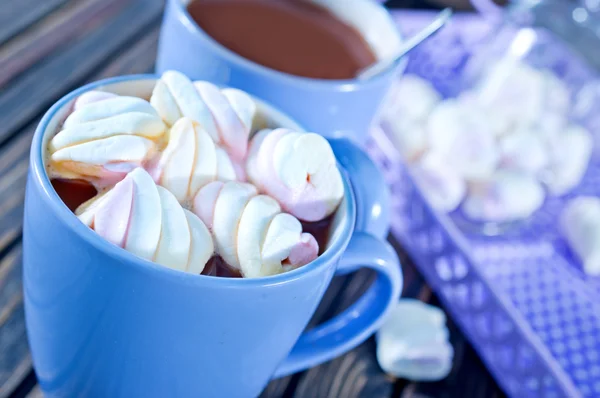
[507,196]
[226,115]
[191,160]
[463,137]
[570,153]
[251,233]
[443,188]
[580,225]
[146,220]
[413,342]
[105,137]
[299,170]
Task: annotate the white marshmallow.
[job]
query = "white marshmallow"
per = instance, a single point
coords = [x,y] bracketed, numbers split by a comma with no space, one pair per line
[580,225]
[513,92]
[570,154]
[299,170]
[557,97]
[410,139]
[146,220]
[463,137]
[190,161]
[413,342]
[230,205]
[443,188]
[405,114]
[507,196]
[226,115]
[105,139]
[250,232]
[523,151]
[412,98]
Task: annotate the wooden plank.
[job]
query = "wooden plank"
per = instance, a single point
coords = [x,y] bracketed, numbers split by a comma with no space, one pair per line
[36,393]
[14,157]
[16,15]
[34,90]
[15,362]
[139,58]
[355,373]
[66,24]
[468,378]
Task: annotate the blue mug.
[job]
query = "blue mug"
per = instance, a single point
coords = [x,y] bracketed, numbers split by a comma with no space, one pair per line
[332,108]
[102,322]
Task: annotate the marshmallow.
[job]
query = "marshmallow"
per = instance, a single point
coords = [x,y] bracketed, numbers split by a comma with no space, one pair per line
[570,154]
[443,188]
[250,231]
[413,98]
[410,139]
[226,114]
[580,225]
[413,342]
[299,170]
[524,151]
[191,160]
[513,92]
[146,220]
[91,96]
[557,97]
[507,196]
[105,137]
[406,112]
[464,138]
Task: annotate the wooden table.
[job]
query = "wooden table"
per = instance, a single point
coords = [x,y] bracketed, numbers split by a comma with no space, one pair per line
[48,48]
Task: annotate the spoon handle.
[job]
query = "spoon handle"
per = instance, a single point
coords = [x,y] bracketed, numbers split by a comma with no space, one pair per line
[408,45]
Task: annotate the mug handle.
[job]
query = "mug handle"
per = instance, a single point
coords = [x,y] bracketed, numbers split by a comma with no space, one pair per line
[371,192]
[364,317]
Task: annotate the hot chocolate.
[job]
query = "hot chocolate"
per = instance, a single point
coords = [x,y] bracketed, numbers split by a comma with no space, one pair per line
[291,36]
[75,192]
[185,180]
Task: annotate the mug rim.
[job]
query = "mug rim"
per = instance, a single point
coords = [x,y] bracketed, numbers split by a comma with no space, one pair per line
[344,85]
[67,217]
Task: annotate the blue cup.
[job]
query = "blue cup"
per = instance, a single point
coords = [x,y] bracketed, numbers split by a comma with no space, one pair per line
[332,108]
[104,323]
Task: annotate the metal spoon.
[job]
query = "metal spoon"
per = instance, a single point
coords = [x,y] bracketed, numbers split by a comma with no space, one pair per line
[408,45]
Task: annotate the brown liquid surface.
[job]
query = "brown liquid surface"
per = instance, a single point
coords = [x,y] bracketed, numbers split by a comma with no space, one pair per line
[291,36]
[75,192]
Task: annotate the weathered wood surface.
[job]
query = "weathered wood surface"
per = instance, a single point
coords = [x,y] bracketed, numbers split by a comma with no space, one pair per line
[62,44]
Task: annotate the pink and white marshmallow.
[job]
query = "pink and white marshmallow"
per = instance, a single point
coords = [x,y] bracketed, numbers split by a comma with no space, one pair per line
[464,138]
[405,115]
[146,220]
[191,160]
[569,156]
[227,115]
[441,185]
[299,170]
[507,196]
[251,233]
[105,137]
